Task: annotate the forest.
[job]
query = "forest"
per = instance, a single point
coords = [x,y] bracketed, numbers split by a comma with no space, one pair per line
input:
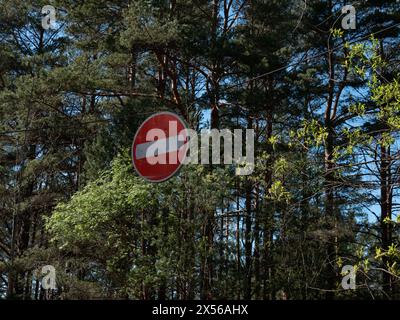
[320,87]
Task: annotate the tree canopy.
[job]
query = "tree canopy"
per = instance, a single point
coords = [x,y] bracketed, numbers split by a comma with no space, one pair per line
[323,101]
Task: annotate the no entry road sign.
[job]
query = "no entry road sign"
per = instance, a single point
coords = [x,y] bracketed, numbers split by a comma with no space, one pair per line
[159,147]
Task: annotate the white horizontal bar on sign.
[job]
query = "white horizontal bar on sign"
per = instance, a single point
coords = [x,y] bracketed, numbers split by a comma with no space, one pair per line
[162,146]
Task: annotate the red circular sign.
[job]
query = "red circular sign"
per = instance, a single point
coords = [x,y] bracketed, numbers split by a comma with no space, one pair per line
[159,146]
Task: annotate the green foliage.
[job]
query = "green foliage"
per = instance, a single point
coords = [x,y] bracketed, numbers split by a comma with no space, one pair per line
[324,103]
[118,211]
